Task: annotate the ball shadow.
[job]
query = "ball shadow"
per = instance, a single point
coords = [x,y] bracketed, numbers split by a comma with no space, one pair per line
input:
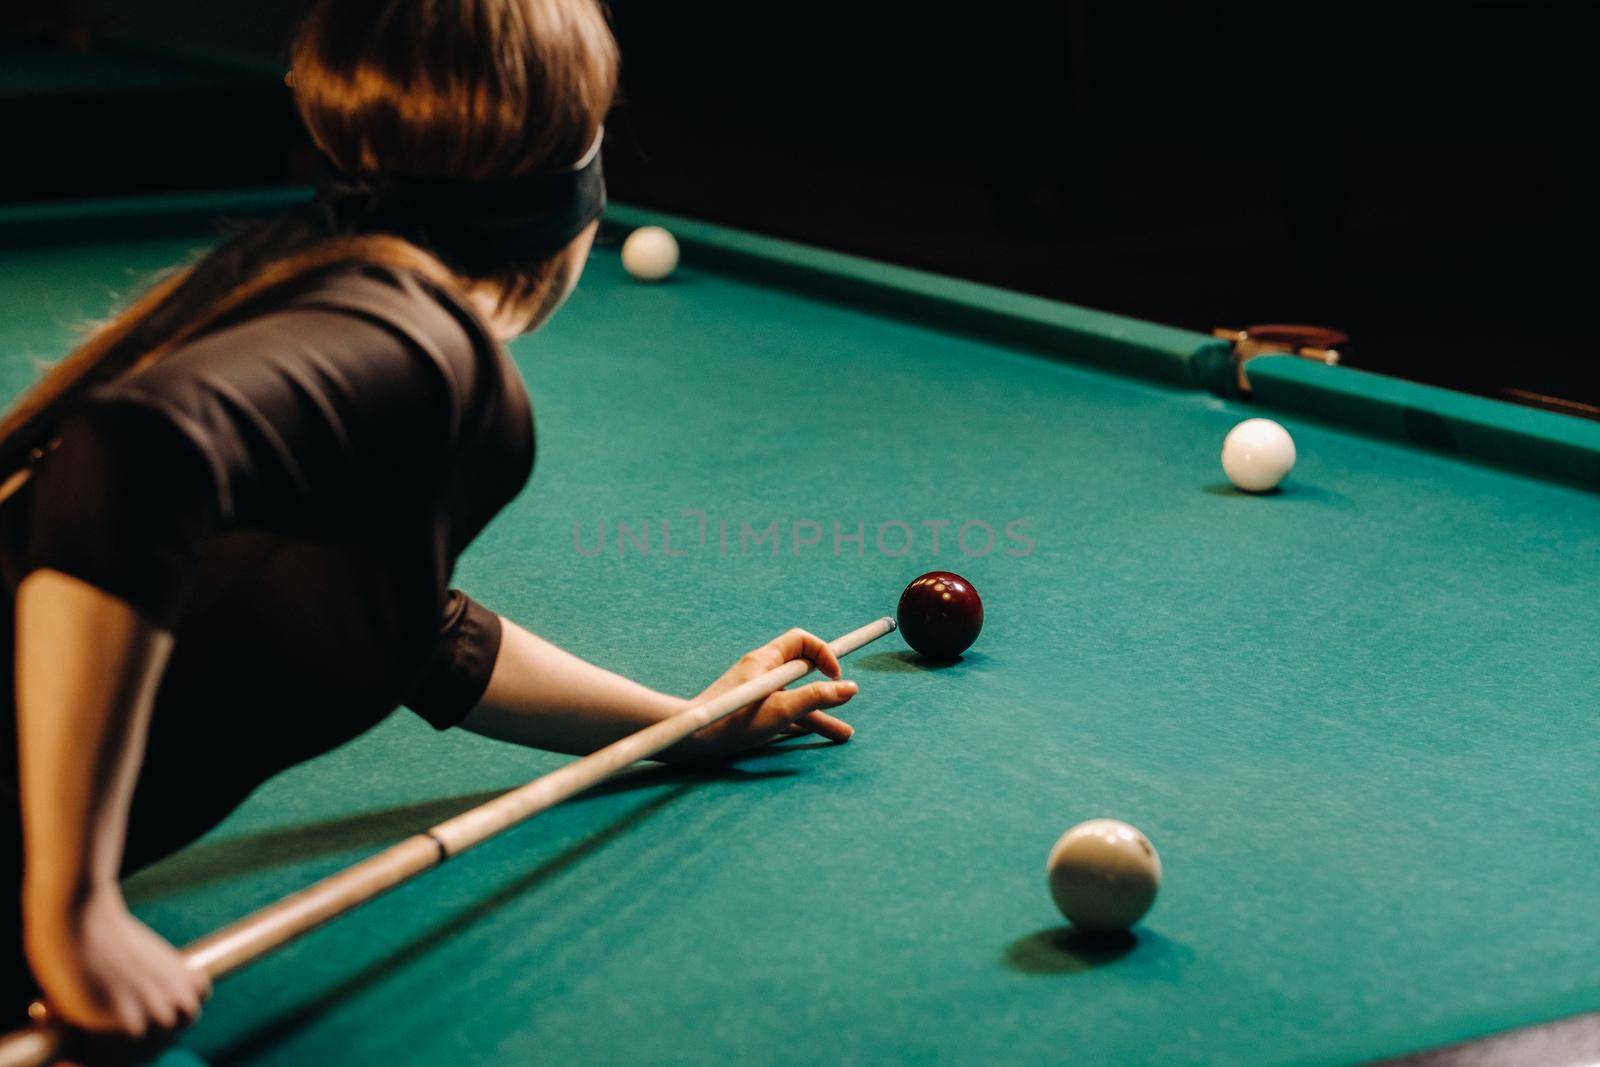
[1229,489]
[1290,491]
[968,658]
[1068,950]
[909,662]
[885,663]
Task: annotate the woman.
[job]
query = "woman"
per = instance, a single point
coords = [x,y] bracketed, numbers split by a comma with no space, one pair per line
[229,541]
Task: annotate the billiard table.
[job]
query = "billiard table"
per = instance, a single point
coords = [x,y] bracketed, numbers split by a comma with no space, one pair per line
[1358,717]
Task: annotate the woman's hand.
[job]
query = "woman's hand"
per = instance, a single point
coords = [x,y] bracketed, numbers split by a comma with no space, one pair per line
[104,971]
[545,697]
[88,667]
[784,711]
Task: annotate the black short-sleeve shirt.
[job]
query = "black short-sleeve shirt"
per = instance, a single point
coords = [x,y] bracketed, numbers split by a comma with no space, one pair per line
[288,494]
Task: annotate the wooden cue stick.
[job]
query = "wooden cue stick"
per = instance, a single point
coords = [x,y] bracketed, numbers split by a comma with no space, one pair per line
[224,951]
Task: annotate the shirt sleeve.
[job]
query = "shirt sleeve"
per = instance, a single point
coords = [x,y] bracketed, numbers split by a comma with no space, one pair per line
[124,502]
[458,672]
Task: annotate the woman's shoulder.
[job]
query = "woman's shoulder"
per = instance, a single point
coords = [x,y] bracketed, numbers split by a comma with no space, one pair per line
[366,327]
[491,408]
[430,317]
[492,417]
[374,342]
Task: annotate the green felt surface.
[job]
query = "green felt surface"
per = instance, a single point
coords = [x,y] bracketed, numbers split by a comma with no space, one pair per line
[1356,717]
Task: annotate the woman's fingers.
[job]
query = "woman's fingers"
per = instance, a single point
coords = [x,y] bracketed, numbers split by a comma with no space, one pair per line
[129,1014]
[186,997]
[826,726]
[159,1007]
[786,706]
[800,644]
[787,712]
[820,723]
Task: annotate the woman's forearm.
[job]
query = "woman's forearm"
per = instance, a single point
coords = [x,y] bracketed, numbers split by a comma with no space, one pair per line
[545,697]
[87,669]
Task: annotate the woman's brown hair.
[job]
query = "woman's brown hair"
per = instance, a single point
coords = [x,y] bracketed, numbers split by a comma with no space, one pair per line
[471,89]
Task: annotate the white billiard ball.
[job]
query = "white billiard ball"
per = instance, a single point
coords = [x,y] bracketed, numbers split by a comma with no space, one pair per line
[1104,875]
[650,253]
[1257,454]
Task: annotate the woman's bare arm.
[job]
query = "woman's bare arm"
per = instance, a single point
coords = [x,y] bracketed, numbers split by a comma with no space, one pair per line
[545,697]
[87,670]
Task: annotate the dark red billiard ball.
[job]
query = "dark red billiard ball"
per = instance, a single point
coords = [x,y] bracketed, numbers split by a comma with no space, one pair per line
[940,615]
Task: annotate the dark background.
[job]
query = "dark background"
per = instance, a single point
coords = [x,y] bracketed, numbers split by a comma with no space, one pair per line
[1412,174]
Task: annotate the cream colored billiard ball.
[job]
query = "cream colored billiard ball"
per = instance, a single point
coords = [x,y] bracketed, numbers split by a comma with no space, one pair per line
[650,253]
[1257,454]
[1104,875]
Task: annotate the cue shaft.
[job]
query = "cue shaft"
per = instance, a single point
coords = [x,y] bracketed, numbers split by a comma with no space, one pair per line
[483,822]
[242,942]
[253,936]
